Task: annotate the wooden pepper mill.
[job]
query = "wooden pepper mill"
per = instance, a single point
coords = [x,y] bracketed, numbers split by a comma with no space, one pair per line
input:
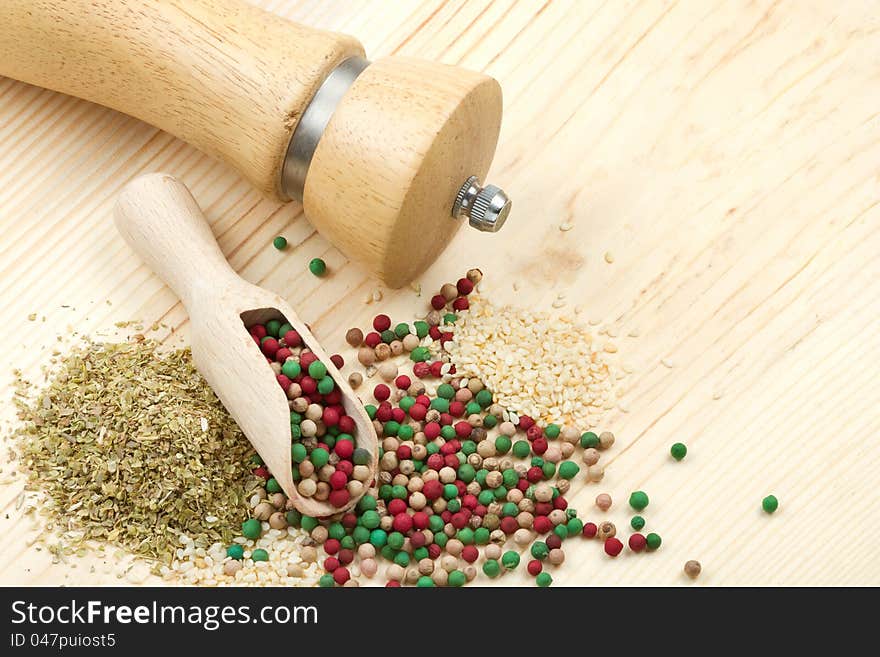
[386,157]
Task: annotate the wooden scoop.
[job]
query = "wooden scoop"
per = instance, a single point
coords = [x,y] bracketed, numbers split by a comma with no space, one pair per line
[158,217]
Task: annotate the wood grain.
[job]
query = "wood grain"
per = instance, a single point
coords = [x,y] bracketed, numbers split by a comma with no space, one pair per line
[724,152]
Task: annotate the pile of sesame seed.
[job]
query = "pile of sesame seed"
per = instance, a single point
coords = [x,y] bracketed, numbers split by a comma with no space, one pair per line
[549,367]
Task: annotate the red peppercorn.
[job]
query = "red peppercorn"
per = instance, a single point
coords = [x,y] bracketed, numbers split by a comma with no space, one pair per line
[334,398]
[534,474]
[396,506]
[341,575]
[462,489]
[461,303]
[446,516]
[480,510]
[542,524]
[434,550]
[637,542]
[463,429]
[444,338]
[421,370]
[344,449]
[331,563]
[590,530]
[331,546]
[345,556]
[525,422]
[535,567]
[451,460]
[330,416]
[446,419]
[560,503]
[523,484]
[337,360]
[338,480]
[543,508]
[469,501]
[418,540]
[539,446]
[402,523]
[420,520]
[346,425]
[456,408]
[470,553]
[258,331]
[435,334]
[613,546]
[459,520]
[432,489]
[292,339]
[392,584]
[435,462]
[534,432]
[307,359]
[270,347]
[509,524]
[309,385]
[381,323]
[404,452]
[423,400]
[381,392]
[256,339]
[418,412]
[398,415]
[464,286]
[339,498]
[384,412]
[403,382]
[553,541]
[283,354]
[346,467]
[262,472]
[436,366]
[438,302]
[372,339]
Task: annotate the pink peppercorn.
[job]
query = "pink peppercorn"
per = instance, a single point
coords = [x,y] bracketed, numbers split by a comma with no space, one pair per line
[542,524]
[560,503]
[534,432]
[523,484]
[637,542]
[384,412]
[258,331]
[339,498]
[338,480]
[270,347]
[480,510]
[346,425]
[418,412]
[456,409]
[404,452]
[432,489]
[435,462]
[424,400]
[309,385]
[330,416]
[462,489]
[459,520]
[461,303]
[349,520]
[553,542]
[403,382]
[417,540]
[338,361]
[341,575]
[398,415]
[381,392]
[396,506]
[534,567]
[331,563]
[469,502]
[402,523]
[509,524]
[435,334]
[534,474]
[372,339]
[543,508]
[292,339]
[436,367]
[381,323]
[446,419]
[331,546]
[464,286]
[392,584]
[344,449]
[345,466]
[307,359]
[334,398]
[434,550]
[421,370]
[283,354]
[256,339]
[420,520]
[539,446]
[438,302]
[463,429]
[345,556]
[590,530]
[262,472]
[283,381]
[613,546]
[470,553]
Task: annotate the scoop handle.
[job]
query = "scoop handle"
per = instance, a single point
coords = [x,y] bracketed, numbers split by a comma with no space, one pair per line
[223,75]
[161,221]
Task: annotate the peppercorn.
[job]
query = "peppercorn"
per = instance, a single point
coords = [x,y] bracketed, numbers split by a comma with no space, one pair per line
[637,542]
[280,243]
[692,569]
[510,559]
[678,451]
[235,551]
[653,541]
[492,568]
[317,266]
[539,550]
[568,469]
[589,439]
[637,522]
[613,546]
[259,555]
[606,530]
[544,580]
[770,504]
[603,501]
[251,529]
[638,500]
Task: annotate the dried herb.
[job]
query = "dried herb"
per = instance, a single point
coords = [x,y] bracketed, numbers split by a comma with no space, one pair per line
[132,447]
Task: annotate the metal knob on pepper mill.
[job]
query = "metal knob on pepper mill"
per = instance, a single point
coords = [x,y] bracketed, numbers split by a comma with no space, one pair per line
[386,157]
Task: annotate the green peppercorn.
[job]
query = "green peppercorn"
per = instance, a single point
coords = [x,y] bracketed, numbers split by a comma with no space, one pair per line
[360,456]
[521,449]
[678,451]
[456,578]
[653,540]
[637,522]
[638,500]
[401,493]
[589,439]
[420,354]
[561,530]
[367,503]
[539,550]
[472,408]
[544,579]
[294,518]
[319,457]
[280,243]
[770,504]
[235,551]
[449,491]
[421,328]
[251,528]
[466,473]
[552,431]
[445,391]
[260,555]
[510,559]
[326,581]
[401,559]
[490,421]
[484,398]
[326,385]
[371,411]
[568,469]
[369,519]
[396,540]
[492,568]
[308,523]
[425,582]
[335,530]
[549,469]
[574,526]
[481,536]
[450,318]
[361,534]
[420,553]
[291,369]
[465,535]
[317,266]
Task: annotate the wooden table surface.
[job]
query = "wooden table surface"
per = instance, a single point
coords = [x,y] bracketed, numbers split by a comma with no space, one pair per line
[725,153]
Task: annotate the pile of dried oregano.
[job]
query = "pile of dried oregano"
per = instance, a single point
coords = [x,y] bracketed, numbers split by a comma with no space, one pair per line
[132,447]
